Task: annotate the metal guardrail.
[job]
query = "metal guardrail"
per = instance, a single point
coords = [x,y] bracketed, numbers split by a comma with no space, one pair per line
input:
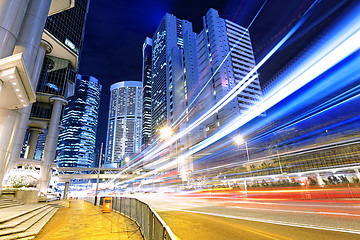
[150,223]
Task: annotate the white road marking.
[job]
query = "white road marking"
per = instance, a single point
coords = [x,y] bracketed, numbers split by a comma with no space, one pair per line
[294,211]
[278,222]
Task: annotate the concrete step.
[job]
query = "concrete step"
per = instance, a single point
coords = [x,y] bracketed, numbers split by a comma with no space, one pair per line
[4,203]
[7,200]
[32,231]
[31,227]
[10,205]
[18,220]
[25,223]
[60,203]
[7,214]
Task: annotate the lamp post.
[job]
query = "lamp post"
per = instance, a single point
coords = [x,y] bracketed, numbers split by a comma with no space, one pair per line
[239,141]
[281,171]
[165,133]
[98,175]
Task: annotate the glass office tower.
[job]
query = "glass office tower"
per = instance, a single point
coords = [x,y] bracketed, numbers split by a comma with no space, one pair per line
[76,144]
[69,26]
[146,80]
[124,124]
[174,71]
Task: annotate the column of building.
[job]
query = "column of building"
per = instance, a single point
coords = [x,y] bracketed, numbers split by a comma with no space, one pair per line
[34,135]
[29,43]
[22,24]
[51,141]
[11,16]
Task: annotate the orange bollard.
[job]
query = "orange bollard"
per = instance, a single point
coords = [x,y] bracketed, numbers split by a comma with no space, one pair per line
[107,204]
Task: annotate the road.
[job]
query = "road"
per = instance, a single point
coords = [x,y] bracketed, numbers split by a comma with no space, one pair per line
[230,218]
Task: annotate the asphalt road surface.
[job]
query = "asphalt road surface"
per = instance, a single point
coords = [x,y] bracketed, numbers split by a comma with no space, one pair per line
[228,218]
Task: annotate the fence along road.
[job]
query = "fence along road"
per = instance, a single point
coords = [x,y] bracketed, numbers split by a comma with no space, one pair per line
[150,223]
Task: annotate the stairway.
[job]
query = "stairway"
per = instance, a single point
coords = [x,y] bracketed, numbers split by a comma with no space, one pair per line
[26,220]
[6,203]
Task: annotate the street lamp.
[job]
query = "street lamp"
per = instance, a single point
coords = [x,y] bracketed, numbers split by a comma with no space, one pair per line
[281,171]
[98,175]
[165,132]
[239,141]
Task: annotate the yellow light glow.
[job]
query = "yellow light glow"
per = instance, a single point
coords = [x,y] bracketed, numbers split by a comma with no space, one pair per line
[165,132]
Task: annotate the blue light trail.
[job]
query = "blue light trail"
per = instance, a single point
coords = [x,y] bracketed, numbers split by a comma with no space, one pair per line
[343,42]
[331,58]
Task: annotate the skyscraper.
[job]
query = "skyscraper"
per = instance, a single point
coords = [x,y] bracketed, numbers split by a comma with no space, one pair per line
[146,80]
[221,69]
[124,124]
[174,71]
[76,144]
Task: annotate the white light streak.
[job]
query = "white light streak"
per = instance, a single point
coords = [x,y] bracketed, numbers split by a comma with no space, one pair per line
[350,45]
[293,84]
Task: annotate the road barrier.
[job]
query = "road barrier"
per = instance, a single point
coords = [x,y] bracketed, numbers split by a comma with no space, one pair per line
[150,223]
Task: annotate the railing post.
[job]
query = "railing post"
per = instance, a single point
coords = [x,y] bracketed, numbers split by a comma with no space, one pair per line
[151,225]
[130,208]
[119,201]
[121,206]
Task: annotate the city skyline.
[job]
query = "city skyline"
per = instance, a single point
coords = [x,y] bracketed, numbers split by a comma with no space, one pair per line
[140,23]
[238,119]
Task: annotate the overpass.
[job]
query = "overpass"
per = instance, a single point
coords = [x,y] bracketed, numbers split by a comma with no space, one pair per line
[65,174]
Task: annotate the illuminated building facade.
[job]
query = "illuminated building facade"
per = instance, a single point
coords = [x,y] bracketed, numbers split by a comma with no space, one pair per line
[124,124]
[224,71]
[146,80]
[76,144]
[174,71]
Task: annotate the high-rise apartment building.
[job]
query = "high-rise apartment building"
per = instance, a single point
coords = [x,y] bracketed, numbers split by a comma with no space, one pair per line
[225,57]
[174,71]
[124,124]
[52,75]
[76,144]
[146,80]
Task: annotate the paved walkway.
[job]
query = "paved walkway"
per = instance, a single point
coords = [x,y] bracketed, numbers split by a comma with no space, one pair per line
[82,220]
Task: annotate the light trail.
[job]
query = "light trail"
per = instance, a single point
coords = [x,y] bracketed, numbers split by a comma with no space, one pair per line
[306,76]
[226,99]
[213,75]
[333,103]
[333,83]
[331,58]
[346,48]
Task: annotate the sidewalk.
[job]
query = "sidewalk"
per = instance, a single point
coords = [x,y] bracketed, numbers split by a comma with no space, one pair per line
[82,220]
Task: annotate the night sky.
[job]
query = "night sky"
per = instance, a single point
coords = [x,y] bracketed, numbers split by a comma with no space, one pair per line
[116,30]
